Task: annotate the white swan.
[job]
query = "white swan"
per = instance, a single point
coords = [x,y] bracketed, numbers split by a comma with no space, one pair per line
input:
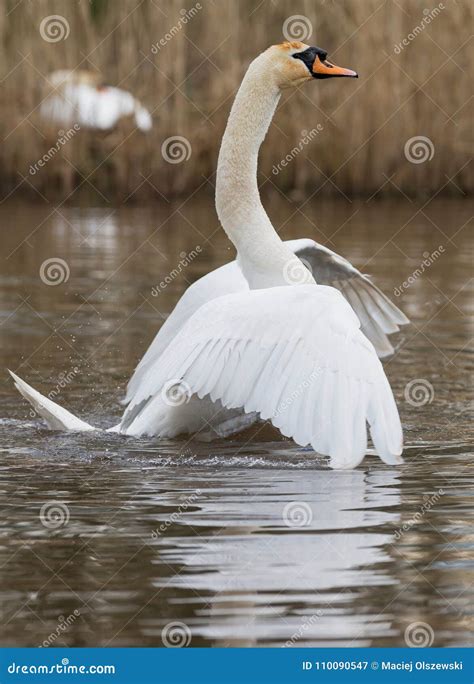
[80,97]
[258,338]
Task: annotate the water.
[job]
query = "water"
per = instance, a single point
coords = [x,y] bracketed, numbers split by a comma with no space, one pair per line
[106,540]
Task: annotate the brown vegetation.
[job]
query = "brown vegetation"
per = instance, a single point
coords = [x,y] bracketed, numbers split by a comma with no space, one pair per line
[189,78]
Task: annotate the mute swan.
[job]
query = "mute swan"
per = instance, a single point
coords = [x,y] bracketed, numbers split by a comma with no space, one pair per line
[80,97]
[252,340]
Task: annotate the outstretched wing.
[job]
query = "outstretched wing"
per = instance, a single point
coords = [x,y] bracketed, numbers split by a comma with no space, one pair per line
[378,316]
[224,280]
[296,356]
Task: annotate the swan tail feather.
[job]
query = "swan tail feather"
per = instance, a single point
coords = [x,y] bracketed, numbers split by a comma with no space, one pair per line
[56,417]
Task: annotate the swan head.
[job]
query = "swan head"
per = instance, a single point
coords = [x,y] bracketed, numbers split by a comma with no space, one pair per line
[293,63]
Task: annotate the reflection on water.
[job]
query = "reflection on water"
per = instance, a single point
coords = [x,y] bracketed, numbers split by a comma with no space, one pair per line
[247,542]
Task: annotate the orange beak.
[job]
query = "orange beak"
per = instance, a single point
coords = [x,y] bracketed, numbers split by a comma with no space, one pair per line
[324,69]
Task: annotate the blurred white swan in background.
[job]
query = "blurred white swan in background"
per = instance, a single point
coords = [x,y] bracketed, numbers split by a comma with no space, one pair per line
[258,338]
[80,97]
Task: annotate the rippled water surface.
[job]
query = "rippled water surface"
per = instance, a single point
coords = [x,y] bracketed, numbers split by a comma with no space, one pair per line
[250,541]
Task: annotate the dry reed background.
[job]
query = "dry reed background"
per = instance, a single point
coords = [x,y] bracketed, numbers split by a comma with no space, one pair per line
[190,82]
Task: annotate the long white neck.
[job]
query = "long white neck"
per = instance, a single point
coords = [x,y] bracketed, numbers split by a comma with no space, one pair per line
[263,257]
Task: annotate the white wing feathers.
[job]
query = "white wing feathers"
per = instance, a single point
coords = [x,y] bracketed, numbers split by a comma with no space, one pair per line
[221,281]
[379,317]
[296,356]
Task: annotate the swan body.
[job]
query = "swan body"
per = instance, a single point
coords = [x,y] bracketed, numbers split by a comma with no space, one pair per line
[290,332]
[80,98]
[316,377]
